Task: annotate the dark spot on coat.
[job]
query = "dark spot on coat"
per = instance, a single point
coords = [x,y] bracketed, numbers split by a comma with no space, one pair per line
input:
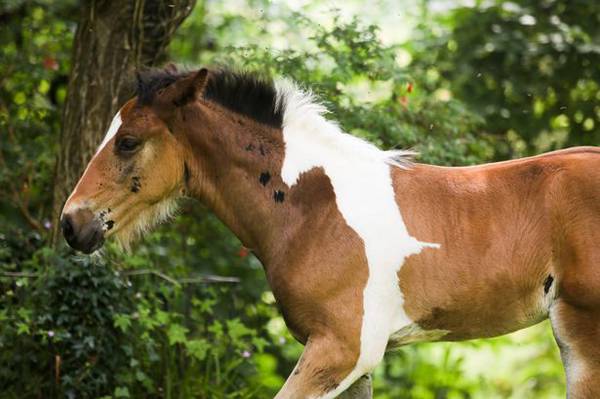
[250,147]
[186,173]
[262,150]
[278,196]
[135,184]
[548,283]
[109,224]
[264,178]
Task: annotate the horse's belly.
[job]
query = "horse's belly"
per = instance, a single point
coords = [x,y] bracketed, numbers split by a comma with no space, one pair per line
[467,304]
[463,322]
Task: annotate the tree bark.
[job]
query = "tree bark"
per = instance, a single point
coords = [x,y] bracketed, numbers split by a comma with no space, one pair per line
[113,39]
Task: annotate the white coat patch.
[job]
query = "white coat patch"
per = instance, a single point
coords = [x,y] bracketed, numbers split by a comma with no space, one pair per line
[360,175]
[115,124]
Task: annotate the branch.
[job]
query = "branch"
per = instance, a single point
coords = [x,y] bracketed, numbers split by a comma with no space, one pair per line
[19,274]
[208,279]
[150,271]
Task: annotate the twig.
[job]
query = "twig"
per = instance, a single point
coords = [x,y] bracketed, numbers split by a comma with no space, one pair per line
[186,280]
[208,279]
[19,274]
[150,271]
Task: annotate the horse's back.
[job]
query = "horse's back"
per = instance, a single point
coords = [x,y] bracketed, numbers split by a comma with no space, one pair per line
[509,233]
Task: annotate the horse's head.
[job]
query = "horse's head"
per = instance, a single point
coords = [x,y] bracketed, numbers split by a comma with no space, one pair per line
[139,170]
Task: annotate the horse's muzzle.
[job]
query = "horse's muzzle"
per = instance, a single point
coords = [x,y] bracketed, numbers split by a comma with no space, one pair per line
[82,230]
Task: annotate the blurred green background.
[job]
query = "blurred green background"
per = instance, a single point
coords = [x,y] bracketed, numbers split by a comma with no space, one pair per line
[462,82]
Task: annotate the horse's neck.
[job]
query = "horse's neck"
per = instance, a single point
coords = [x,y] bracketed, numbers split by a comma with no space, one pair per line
[260,176]
[240,182]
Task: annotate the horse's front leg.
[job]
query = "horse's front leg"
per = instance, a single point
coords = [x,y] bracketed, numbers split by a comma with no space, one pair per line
[360,389]
[326,369]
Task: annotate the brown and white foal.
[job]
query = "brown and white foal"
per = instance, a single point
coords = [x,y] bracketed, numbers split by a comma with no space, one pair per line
[364,250]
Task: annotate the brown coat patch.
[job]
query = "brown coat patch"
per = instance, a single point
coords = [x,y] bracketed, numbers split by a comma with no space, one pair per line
[500,237]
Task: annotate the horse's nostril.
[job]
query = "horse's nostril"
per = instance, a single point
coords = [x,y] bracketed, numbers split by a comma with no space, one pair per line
[66,224]
[82,230]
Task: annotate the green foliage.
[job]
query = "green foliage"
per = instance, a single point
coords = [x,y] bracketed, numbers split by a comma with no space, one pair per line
[35,38]
[474,84]
[528,67]
[368,93]
[58,329]
[84,329]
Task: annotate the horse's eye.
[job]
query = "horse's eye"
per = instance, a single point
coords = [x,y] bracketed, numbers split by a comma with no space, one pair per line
[127,144]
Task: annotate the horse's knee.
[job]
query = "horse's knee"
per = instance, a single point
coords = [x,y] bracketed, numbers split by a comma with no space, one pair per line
[327,367]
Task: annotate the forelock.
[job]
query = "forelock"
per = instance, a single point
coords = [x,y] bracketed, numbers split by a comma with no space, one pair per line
[150,81]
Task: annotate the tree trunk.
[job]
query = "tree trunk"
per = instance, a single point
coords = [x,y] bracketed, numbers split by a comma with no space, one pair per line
[112,40]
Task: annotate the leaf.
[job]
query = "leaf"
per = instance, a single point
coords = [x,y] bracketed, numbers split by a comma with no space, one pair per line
[198,348]
[141,376]
[22,328]
[237,329]
[24,313]
[122,392]
[176,334]
[259,343]
[122,322]
[162,317]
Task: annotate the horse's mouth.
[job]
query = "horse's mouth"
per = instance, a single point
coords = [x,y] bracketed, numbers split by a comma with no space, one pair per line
[94,247]
[82,233]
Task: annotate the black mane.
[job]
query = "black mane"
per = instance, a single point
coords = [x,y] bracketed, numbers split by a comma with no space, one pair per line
[246,93]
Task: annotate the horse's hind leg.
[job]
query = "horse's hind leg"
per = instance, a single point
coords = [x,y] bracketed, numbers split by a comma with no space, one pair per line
[577,331]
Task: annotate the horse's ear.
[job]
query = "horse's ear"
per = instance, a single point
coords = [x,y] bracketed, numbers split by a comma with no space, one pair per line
[193,88]
[139,81]
[199,82]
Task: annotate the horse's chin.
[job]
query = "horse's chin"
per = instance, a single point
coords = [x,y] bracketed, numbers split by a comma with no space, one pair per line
[143,223]
[97,247]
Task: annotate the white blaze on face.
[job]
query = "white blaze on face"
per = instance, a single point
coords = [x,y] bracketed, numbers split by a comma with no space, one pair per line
[115,124]
[112,131]
[360,175]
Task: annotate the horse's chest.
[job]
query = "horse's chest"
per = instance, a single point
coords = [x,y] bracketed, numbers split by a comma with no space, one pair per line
[365,201]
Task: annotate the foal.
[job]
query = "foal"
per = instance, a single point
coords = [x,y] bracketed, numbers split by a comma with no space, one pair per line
[364,250]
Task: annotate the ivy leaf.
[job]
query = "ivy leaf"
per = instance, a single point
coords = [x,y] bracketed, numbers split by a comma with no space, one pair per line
[122,322]
[22,328]
[237,329]
[259,343]
[176,334]
[198,348]
[122,392]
